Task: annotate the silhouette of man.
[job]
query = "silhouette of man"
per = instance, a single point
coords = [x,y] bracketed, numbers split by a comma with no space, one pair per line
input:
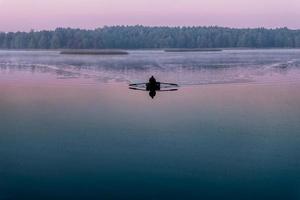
[152,81]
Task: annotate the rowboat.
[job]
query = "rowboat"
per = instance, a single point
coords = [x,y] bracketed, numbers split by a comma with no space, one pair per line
[158,86]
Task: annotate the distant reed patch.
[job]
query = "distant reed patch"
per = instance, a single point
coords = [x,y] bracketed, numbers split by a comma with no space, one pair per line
[192,50]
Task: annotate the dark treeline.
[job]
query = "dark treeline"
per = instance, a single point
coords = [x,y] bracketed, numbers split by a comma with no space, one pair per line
[133,37]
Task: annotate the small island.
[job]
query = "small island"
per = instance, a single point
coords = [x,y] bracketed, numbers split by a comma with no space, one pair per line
[93,52]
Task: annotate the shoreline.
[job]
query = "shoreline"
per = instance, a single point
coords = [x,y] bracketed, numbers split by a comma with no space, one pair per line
[153,49]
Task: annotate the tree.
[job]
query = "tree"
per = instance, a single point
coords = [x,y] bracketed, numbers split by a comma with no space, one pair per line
[131,37]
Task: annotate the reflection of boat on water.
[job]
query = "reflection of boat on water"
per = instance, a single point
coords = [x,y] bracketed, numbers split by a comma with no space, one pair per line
[152,86]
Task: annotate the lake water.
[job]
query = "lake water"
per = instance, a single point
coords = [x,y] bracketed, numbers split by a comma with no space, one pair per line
[71,128]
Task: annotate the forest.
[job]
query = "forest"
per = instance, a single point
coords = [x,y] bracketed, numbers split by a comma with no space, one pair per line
[144,37]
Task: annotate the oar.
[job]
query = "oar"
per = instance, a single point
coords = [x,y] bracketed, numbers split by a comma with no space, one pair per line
[174,84]
[133,88]
[169,90]
[136,84]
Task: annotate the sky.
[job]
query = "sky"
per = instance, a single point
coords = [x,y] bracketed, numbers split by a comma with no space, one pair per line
[24,15]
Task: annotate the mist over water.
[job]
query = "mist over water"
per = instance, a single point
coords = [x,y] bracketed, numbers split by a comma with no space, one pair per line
[229,66]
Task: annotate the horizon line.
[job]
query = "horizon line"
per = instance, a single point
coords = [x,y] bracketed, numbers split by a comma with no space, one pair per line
[152,26]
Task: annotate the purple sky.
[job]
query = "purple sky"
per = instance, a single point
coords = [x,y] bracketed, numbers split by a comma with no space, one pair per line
[24,15]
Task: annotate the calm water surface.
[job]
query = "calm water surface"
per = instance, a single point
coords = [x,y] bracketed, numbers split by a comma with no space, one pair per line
[71,128]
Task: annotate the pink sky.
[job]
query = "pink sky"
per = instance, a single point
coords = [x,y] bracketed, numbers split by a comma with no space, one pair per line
[48,14]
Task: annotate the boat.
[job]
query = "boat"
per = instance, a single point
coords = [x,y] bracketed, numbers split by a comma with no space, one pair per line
[158,86]
[153,86]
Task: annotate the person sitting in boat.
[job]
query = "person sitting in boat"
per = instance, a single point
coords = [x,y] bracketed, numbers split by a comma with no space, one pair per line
[152,81]
[153,84]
